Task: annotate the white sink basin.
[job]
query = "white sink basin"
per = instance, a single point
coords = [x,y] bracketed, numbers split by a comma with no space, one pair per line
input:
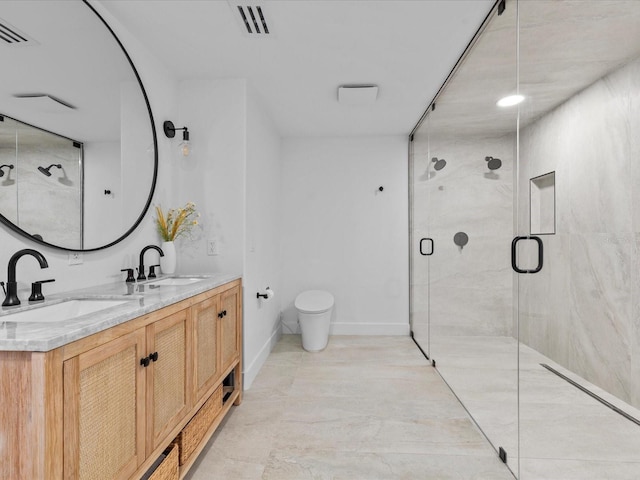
[176,281]
[61,311]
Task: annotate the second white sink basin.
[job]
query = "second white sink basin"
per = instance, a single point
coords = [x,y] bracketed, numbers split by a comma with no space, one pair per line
[176,281]
[61,311]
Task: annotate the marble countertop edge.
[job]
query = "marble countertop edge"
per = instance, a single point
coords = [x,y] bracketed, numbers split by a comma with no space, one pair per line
[140,299]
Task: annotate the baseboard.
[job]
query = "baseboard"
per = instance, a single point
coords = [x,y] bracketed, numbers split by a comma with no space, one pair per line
[391,329]
[251,371]
[337,328]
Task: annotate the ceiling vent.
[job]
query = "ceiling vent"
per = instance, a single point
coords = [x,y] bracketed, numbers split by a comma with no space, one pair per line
[357,94]
[43,102]
[9,35]
[252,17]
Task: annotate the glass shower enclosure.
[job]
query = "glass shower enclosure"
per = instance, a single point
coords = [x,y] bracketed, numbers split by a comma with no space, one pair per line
[524,258]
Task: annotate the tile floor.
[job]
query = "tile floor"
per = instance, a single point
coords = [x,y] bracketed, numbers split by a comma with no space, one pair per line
[366,408]
[564,433]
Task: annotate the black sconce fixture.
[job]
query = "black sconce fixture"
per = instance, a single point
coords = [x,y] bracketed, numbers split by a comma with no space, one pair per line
[170,132]
[10,167]
[45,171]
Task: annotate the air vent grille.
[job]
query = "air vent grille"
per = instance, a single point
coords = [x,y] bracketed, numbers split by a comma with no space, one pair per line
[253,18]
[9,35]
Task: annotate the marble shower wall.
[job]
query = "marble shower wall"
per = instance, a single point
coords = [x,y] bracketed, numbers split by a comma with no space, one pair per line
[582,309]
[470,288]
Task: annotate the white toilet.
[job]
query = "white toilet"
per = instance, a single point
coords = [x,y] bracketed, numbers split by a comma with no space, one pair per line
[314,315]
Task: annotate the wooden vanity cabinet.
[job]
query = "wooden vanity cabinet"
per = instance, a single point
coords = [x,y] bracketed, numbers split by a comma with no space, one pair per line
[106,406]
[206,317]
[230,328]
[118,395]
[104,428]
[168,385]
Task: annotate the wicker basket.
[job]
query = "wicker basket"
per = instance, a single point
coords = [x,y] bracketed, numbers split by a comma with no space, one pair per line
[168,469]
[193,433]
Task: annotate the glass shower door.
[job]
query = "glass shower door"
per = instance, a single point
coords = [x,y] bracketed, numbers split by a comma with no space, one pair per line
[421,244]
[577,191]
[464,158]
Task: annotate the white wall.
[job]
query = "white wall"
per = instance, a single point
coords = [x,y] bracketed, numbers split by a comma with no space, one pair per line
[341,234]
[213,174]
[103,213]
[233,176]
[262,266]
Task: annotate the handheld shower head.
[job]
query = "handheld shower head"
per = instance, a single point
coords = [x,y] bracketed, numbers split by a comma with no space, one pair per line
[493,163]
[46,171]
[10,167]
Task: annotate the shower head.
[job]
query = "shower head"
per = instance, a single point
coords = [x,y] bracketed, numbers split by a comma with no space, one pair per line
[493,163]
[45,171]
[10,167]
[439,164]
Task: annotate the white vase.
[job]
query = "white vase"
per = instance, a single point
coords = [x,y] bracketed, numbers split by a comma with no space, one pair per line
[168,262]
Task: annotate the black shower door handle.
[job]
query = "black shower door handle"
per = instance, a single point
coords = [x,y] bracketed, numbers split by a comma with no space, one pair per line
[422,250]
[513,254]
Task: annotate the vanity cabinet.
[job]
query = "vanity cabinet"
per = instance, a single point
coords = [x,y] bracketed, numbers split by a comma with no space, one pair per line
[230,328]
[206,317]
[108,405]
[167,389]
[122,393]
[104,410]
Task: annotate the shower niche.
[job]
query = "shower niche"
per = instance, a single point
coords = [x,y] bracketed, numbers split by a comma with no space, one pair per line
[542,201]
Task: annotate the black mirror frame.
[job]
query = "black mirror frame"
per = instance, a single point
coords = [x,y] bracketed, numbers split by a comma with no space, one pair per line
[145,209]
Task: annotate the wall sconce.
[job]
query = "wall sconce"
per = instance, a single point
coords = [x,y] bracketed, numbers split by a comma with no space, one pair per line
[170,131]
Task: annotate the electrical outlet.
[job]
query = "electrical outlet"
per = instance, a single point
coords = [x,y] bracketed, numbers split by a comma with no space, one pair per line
[75,258]
[212,247]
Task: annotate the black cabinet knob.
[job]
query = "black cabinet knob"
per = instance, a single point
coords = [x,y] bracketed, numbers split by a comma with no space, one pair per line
[154,356]
[145,362]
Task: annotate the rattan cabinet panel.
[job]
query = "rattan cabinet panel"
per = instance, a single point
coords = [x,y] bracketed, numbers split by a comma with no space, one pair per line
[103,389]
[206,317]
[168,347]
[230,327]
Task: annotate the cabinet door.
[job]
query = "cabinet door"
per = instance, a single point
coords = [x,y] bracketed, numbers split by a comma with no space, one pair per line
[168,385]
[206,316]
[104,393]
[231,327]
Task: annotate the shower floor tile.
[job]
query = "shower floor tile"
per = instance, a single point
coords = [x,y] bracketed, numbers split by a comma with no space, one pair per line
[564,433]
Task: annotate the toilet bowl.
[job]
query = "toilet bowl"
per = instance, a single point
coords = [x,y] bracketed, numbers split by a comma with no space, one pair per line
[314,315]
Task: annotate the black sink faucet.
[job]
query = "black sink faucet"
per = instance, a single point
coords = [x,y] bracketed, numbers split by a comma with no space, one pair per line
[12,285]
[141,275]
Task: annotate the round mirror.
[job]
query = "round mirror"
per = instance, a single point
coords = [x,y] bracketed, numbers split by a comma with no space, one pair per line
[76,131]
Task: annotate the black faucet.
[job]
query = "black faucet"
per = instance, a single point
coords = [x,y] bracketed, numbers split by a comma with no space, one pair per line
[141,275]
[12,286]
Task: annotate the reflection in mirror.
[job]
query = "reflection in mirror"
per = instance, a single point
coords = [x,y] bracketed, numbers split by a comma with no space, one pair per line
[72,78]
[42,200]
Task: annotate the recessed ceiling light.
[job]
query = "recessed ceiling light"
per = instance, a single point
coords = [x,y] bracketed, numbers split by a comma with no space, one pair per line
[510,100]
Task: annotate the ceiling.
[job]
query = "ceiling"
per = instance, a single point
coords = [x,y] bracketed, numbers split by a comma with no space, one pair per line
[407,48]
[548,50]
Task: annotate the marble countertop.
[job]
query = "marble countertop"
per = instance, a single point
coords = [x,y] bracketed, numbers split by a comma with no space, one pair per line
[138,299]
